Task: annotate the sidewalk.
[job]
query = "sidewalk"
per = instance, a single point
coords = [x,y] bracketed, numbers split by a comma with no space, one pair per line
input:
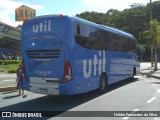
[146,69]
[7,81]
[3,74]
[149,72]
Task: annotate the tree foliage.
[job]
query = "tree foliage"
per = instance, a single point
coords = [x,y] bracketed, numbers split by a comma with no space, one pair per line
[153,34]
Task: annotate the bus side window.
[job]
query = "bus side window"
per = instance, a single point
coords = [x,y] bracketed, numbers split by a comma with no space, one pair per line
[78,29]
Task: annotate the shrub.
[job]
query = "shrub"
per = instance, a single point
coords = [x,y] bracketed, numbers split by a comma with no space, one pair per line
[1,62]
[6,62]
[11,71]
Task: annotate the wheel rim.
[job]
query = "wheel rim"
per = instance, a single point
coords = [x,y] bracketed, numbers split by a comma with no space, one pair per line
[103,83]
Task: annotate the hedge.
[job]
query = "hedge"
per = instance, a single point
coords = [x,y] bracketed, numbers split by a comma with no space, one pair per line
[12,71]
[7,62]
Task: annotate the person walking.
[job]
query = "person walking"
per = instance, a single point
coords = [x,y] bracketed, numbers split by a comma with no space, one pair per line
[20,85]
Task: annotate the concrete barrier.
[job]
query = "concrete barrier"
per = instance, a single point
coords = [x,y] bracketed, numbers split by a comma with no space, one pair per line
[9,88]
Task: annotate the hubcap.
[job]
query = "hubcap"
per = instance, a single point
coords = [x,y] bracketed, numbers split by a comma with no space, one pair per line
[103,84]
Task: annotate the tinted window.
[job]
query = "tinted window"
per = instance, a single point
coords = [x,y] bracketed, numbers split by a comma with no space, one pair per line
[82,34]
[99,39]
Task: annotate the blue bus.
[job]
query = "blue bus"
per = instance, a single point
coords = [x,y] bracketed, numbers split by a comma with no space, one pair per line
[65,55]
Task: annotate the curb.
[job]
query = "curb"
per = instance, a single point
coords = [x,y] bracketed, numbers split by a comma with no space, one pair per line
[149,75]
[9,88]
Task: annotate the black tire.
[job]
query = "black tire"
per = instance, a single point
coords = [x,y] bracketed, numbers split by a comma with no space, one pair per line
[134,72]
[102,83]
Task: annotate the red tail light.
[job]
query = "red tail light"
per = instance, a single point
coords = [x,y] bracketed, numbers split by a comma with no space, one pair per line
[61,15]
[24,71]
[67,72]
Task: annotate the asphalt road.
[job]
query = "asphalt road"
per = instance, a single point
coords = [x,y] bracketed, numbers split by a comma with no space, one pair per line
[140,94]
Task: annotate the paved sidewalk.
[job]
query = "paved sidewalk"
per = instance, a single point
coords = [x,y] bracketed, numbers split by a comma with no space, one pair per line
[3,75]
[146,69]
[149,72]
[7,81]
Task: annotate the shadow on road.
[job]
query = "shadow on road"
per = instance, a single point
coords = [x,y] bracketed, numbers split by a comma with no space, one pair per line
[146,68]
[61,103]
[12,96]
[7,92]
[156,82]
[121,84]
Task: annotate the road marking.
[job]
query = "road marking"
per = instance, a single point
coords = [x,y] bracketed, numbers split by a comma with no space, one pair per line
[126,118]
[158,90]
[136,109]
[156,118]
[154,84]
[153,98]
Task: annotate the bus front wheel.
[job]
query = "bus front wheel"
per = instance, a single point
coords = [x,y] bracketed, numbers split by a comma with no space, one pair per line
[102,83]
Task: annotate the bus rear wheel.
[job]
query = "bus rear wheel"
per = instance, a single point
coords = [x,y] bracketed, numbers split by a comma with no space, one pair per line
[102,83]
[134,72]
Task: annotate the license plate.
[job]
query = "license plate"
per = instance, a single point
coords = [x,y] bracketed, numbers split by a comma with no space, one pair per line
[43,90]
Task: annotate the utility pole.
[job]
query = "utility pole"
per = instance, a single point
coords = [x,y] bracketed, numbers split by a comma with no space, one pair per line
[150,9]
[152,56]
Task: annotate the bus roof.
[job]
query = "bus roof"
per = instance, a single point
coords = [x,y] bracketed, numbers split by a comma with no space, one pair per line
[118,31]
[44,16]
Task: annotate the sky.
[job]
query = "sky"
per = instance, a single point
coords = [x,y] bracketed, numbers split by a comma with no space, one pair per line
[66,7]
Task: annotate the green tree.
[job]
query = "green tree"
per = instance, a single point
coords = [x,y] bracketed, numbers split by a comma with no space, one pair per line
[153,34]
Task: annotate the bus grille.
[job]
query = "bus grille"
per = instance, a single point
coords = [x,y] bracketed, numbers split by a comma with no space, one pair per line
[43,54]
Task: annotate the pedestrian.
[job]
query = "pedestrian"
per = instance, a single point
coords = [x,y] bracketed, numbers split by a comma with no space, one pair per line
[20,85]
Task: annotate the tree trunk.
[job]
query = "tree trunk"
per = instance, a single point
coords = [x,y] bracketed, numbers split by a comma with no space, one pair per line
[155,57]
[152,57]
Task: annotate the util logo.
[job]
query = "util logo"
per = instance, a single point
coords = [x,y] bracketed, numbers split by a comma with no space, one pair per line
[42,27]
[96,62]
